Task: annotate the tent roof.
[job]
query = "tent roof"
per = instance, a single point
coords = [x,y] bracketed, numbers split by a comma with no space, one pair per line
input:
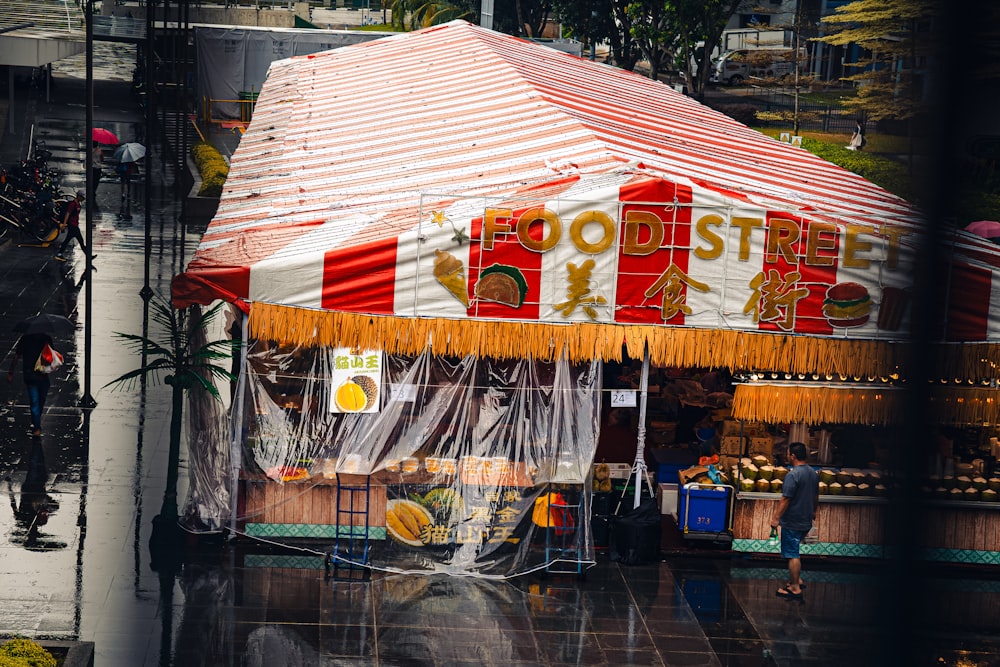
[353,151]
[357,134]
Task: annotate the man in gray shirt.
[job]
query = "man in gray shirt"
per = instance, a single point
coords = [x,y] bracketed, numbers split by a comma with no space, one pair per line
[795,514]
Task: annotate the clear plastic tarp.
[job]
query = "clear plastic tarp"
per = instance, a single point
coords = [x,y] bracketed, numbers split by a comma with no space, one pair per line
[427,464]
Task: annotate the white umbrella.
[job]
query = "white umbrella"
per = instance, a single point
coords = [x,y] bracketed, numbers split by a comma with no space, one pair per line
[130,152]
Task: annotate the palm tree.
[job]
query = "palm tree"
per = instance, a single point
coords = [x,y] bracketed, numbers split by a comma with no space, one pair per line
[177,355]
[425,13]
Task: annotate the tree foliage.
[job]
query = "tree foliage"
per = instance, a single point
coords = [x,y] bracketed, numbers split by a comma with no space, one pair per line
[897,40]
[171,355]
[670,30]
[595,21]
[176,355]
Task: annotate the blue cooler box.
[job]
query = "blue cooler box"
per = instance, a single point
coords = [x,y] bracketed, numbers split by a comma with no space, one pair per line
[702,509]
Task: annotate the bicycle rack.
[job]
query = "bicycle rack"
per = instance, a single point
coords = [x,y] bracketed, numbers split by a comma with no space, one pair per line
[350,549]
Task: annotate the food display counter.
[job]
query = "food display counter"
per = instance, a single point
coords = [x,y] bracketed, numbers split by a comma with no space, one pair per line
[959,517]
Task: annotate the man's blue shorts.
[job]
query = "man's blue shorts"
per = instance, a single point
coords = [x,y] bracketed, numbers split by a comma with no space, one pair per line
[790,541]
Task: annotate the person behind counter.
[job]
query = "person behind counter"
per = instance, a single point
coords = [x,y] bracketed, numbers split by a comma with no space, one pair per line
[795,514]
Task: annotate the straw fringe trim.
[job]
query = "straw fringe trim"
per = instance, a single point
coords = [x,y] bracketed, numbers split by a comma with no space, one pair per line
[501,339]
[817,405]
[861,405]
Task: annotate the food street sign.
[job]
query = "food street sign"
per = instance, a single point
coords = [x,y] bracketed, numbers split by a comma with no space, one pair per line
[648,263]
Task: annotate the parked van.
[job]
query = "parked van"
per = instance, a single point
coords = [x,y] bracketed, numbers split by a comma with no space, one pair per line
[734,67]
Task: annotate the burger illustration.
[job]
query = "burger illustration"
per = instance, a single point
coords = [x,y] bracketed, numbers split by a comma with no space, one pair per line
[847,305]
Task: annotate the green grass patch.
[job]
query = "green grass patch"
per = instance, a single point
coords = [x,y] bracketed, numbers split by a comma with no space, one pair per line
[872,163]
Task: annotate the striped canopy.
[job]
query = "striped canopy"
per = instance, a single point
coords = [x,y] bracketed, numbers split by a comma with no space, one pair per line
[485,192]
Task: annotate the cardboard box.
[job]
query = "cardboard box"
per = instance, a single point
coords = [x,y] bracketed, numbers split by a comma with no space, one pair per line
[730,427]
[666,498]
[688,474]
[731,445]
[763,445]
[663,433]
[745,429]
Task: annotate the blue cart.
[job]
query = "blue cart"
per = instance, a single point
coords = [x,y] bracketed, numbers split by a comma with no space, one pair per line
[705,511]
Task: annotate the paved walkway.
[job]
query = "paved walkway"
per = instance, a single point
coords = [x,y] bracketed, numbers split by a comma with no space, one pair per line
[86,572]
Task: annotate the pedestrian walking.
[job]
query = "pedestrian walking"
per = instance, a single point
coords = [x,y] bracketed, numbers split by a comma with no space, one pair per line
[795,514]
[125,172]
[96,169]
[28,349]
[71,221]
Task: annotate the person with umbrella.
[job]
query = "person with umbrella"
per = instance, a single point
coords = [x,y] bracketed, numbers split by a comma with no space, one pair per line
[127,155]
[34,337]
[71,221]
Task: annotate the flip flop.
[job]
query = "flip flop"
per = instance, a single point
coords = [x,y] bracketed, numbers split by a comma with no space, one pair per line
[786,593]
[802,586]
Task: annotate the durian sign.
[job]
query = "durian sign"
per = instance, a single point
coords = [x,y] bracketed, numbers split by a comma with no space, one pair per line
[356,381]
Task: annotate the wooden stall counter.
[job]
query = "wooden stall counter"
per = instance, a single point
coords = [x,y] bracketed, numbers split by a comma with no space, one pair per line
[848,526]
[312,506]
[854,526]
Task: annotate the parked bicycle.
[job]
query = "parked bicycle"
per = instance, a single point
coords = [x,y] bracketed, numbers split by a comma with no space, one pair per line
[31,199]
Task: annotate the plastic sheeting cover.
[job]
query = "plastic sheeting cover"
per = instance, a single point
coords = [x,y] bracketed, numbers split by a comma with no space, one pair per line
[477,466]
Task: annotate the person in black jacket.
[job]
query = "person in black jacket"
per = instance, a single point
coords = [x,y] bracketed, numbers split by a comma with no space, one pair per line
[27,349]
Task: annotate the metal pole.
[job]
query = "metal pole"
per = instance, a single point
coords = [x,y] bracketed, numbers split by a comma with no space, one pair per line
[87,400]
[149,86]
[639,466]
[236,447]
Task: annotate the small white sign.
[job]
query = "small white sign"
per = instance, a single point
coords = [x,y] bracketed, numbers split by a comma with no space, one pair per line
[623,399]
[404,393]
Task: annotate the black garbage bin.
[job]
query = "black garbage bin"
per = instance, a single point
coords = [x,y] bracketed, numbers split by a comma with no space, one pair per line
[635,533]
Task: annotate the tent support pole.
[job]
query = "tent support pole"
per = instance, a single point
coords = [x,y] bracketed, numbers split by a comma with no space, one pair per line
[639,466]
[236,446]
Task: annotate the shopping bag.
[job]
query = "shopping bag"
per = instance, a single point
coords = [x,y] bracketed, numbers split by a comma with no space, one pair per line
[48,360]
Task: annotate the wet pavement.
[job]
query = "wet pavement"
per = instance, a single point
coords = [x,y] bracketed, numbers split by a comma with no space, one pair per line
[85,573]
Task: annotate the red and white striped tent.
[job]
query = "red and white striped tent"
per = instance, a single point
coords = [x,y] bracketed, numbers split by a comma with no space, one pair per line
[381,185]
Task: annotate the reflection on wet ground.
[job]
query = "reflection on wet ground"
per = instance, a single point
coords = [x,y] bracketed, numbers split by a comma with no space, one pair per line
[74,561]
[280,608]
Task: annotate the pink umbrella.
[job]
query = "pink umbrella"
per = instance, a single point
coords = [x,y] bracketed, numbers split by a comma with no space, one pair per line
[989,229]
[103,136]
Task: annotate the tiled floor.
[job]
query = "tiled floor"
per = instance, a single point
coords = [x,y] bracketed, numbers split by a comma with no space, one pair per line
[683,611]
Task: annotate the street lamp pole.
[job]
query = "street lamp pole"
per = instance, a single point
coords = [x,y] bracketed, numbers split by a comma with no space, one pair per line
[87,400]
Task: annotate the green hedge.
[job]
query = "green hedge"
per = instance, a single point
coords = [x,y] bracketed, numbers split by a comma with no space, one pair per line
[890,174]
[22,652]
[212,167]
